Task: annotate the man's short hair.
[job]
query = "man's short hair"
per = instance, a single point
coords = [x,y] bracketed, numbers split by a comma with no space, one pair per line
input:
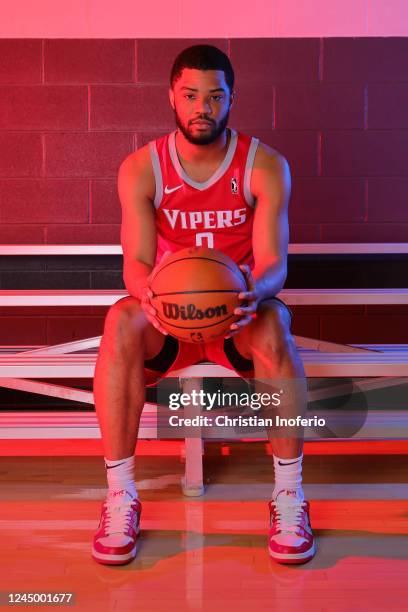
[203,57]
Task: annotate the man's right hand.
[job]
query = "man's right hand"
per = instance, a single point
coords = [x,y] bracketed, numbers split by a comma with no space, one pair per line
[151,313]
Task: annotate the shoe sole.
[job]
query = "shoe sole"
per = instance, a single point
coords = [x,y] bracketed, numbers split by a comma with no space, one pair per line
[295,557]
[113,559]
[106,559]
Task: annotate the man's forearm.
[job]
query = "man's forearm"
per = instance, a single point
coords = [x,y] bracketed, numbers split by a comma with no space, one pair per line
[270,281]
[135,275]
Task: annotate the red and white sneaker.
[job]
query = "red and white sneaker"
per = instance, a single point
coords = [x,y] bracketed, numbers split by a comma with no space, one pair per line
[290,535]
[115,540]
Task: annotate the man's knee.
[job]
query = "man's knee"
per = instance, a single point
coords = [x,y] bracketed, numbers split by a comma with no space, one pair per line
[271,327]
[125,320]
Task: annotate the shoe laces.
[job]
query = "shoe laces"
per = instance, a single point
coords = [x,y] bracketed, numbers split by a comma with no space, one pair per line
[118,514]
[288,514]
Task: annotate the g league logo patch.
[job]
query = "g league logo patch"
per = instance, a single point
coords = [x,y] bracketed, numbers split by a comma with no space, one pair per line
[234,186]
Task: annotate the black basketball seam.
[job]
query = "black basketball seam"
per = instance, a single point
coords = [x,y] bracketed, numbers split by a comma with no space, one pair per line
[198,291]
[196,327]
[205,259]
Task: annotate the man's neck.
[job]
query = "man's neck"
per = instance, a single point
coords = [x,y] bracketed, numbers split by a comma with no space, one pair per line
[192,153]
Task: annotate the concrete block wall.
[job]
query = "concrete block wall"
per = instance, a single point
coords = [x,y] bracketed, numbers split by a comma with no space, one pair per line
[72,110]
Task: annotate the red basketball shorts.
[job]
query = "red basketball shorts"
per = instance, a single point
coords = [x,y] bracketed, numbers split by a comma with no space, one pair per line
[177,354]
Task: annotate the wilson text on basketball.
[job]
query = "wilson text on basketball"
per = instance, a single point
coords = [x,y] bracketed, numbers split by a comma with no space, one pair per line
[190,312]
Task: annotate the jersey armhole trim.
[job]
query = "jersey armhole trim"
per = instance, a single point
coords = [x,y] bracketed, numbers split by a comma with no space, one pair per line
[249,198]
[157,173]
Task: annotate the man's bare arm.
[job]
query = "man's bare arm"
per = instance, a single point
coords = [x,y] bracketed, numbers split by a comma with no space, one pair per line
[271,186]
[136,187]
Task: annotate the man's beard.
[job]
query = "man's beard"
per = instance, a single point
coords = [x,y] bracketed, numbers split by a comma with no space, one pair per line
[205,138]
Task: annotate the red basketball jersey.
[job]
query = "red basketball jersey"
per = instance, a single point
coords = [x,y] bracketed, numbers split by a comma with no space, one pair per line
[217,213]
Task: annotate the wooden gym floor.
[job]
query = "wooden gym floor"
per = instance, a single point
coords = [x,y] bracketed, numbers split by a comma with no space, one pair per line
[210,552]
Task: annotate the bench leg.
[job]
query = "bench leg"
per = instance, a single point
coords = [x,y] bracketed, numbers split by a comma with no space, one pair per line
[192,482]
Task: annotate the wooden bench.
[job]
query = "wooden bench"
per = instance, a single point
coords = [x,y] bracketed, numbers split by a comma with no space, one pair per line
[19,365]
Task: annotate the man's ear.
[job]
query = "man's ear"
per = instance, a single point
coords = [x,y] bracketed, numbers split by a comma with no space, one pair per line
[232,97]
[171,97]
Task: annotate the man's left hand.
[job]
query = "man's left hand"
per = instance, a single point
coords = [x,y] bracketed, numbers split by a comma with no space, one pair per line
[252,298]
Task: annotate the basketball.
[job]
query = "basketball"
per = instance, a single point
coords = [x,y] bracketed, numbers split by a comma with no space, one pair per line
[195,292]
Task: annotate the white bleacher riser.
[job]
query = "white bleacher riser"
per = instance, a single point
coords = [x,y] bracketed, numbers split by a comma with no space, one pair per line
[292,297]
[60,249]
[391,363]
[379,424]
[59,362]
[299,248]
[60,297]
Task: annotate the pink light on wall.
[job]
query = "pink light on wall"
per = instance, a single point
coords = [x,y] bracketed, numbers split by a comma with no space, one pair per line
[387,18]
[190,19]
[320,18]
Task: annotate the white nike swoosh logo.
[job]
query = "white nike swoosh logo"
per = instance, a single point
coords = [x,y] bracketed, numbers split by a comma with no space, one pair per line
[170,190]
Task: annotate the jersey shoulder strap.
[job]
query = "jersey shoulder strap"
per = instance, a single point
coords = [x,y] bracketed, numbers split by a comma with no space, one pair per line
[246,149]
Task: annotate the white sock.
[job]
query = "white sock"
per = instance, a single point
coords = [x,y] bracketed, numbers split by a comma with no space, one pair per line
[288,475]
[121,475]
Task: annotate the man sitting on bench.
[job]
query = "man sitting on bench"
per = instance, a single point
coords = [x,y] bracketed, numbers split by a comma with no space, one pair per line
[202,166]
